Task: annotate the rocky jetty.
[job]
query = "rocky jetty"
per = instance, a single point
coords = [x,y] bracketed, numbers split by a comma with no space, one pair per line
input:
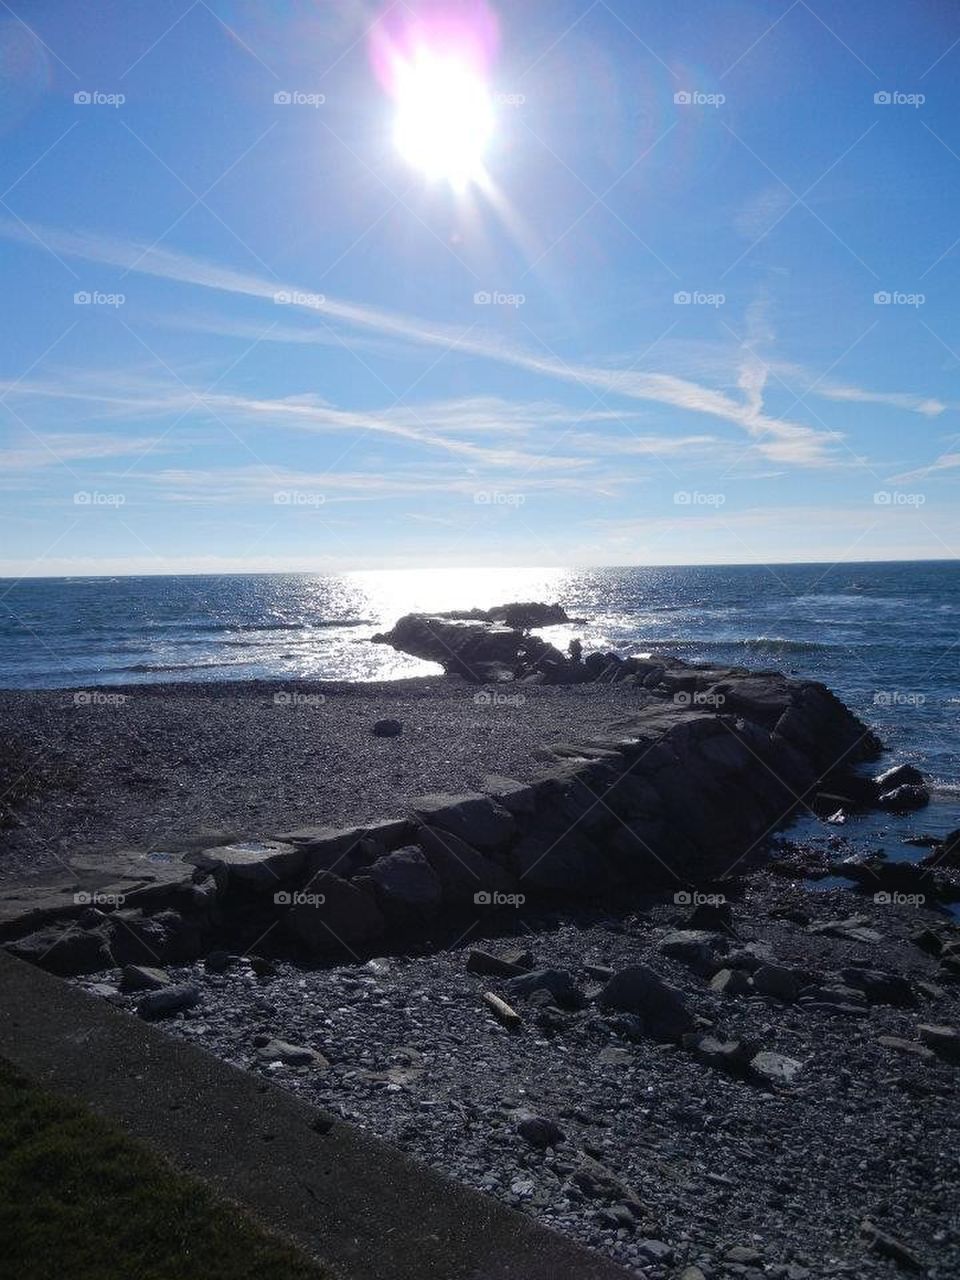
[707,763]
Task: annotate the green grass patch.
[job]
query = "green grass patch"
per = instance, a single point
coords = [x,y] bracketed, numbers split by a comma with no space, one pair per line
[81,1201]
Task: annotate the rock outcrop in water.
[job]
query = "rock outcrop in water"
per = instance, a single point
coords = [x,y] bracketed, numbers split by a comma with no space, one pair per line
[496,645]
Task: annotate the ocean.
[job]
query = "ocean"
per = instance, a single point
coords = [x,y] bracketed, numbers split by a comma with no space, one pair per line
[883,636]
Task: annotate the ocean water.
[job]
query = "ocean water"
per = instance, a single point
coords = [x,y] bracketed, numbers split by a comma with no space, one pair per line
[885,637]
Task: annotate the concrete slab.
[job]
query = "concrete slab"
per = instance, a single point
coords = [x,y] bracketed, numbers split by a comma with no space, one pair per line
[341,1194]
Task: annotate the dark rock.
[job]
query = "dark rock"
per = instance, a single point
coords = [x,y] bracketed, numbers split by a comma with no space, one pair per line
[218,961]
[262,967]
[902,799]
[944,1041]
[655,1251]
[558,983]
[346,914]
[731,982]
[880,987]
[743,1254]
[715,917]
[406,881]
[732,1056]
[387,728]
[660,1006]
[693,947]
[63,949]
[483,962]
[888,1246]
[776,980]
[539,1131]
[254,864]
[901,775]
[474,818]
[907,1046]
[168,1001]
[461,870]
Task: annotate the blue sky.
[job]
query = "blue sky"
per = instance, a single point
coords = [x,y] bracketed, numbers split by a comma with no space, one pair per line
[699,307]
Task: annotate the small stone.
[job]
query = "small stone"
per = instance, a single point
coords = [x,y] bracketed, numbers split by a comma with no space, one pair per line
[654,1251]
[889,1247]
[387,728]
[906,1046]
[731,982]
[484,962]
[611,1056]
[141,977]
[775,1067]
[262,967]
[776,980]
[743,1254]
[218,961]
[168,1000]
[558,983]
[291,1055]
[539,1131]
[725,1055]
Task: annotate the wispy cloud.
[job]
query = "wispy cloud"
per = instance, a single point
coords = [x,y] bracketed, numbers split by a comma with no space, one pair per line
[775,439]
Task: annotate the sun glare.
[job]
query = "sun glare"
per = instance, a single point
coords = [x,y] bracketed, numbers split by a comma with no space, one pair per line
[444,119]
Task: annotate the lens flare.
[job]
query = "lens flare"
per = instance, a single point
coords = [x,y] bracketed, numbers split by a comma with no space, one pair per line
[433,59]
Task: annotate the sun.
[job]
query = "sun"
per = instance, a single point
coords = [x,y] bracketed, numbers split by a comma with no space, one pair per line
[444,119]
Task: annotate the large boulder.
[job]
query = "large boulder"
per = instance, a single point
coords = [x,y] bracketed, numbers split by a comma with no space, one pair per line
[660,1006]
[64,949]
[461,870]
[331,913]
[406,882]
[475,818]
[262,865]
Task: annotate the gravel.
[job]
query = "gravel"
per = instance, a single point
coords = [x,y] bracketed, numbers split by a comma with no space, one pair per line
[165,766]
[641,1150]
